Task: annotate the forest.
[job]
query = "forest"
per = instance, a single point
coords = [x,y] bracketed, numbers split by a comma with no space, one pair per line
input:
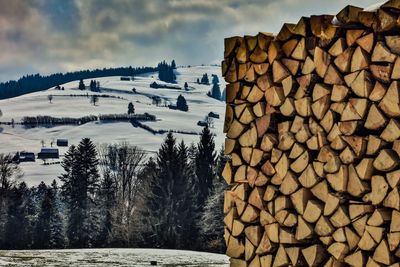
[116,195]
[37,82]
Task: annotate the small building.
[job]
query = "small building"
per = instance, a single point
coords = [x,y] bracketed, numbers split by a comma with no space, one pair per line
[213,115]
[202,123]
[26,156]
[62,142]
[48,153]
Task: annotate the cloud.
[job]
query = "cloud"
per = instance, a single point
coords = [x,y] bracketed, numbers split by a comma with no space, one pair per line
[63,35]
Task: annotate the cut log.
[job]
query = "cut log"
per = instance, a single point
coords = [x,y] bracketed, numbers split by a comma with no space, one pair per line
[382,54]
[390,103]
[360,60]
[376,120]
[313,255]
[387,160]
[321,61]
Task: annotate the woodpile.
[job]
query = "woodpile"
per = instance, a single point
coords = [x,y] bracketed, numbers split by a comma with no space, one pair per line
[313,130]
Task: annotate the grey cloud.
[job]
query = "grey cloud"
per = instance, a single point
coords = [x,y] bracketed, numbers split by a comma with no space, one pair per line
[63,35]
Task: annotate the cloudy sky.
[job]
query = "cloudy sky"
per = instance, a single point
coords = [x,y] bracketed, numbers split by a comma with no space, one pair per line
[46,36]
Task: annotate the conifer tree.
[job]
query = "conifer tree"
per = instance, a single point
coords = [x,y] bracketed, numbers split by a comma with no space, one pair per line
[108,200]
[42,233]
[57,232]
[81,85]
[81,182]
[205,165]
[17,228]
[166,205]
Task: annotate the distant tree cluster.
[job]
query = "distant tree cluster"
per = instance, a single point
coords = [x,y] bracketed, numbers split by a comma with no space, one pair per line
[113,196]
[166,72]
[181,103]
[34,83]
[94,86]
[204,80]
[215,90]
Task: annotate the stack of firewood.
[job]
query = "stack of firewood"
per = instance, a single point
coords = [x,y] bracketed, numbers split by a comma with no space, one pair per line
[313,130]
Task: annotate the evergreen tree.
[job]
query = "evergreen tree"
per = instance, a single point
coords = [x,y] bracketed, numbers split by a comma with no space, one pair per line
[57,234]
[215,79]
[81,182]
[81,85]
[204,79]
[17,228]
[186,86]
[205,165]
[181,103]
[166,205]
[173,64]
[215,92]
[131,108]
[42,233]
[108,201]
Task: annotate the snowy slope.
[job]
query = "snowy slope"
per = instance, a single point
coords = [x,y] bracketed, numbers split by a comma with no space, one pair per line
[111,257]
[63,105]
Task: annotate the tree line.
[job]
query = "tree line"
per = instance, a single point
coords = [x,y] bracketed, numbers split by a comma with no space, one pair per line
[37,82]
[114,195]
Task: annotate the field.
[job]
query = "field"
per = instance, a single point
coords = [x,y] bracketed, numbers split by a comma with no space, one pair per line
[111,257]
[21,138]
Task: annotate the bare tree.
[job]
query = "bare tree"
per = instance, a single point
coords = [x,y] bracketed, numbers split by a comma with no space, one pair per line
[122,162]
[210,122]
[94,99]
[9,172]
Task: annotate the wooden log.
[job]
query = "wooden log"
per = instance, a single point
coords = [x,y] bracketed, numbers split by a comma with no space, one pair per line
[343,61]
[393,42]
[360,60]
[321,60]
[382,53]
[313,255]
[390,103]
[349,14]
[386,160]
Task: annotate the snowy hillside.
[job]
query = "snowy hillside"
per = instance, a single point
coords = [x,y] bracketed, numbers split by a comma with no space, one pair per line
[112,257]
[21,138]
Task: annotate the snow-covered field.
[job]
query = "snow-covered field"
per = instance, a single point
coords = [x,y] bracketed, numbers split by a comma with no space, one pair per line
[23,139]
[111,257]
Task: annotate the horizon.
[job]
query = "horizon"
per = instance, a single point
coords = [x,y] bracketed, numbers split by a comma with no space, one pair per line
[49,36]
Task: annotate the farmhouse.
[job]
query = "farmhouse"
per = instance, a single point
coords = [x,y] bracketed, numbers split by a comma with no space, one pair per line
[48,153]
[213,115]
[62,142]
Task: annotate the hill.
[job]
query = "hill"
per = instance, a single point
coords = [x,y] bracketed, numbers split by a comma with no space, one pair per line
[113,98]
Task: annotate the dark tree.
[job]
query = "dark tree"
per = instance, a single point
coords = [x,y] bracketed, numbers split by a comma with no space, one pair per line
[81,85]
[94,99]
[81,183]
[215,92]
[131,108]
[42,233]
[166,72]
[204,79]
[181,103]
[186,86]
[165,209]
[57,231]
[205,165]
[107,193]
[18,226]
[173,64]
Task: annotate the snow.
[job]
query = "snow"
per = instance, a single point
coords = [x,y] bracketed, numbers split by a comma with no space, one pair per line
[63,105]
[111,257]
